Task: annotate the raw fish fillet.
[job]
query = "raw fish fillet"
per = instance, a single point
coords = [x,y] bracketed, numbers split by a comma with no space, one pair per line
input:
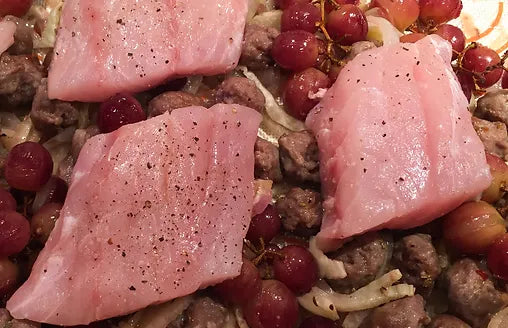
[397,147]
[155,211]
[106,47]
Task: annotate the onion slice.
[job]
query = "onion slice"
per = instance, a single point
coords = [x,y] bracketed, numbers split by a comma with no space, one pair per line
[193,84]
[14,132]
[53,10]
[272,108]
[60,147]
[378,292]
[328,268]
[158,316]
[240,320]
[271,131]
[500,319]
[381,30]
[317,302]
[269,19]
[355,319]
[253,6]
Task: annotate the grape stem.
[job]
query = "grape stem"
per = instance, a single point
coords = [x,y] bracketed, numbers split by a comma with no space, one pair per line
[504,57]
[27,201]
[460,57]
[479,77]
[425,28]
[261,251]
[329,42]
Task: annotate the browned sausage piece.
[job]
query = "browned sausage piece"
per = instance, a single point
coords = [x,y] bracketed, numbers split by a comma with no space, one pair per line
[300,209]
[472,295]
[20,77]
[205,312]
[23,41]
[447,321]
[257,45]
[493,106]
[48,114]
[408,312]
[299,156]
[363,258]
[241,91]
[493,135]
[266,161]
[171,100]
[418,261]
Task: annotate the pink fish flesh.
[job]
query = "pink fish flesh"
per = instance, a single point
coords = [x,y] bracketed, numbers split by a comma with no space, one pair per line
[7,30]
[262,195]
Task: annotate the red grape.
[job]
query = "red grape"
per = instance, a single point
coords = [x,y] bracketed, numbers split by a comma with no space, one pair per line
[473,227]
[301,16]
[347,25]
[379,12]
[329,6]
[467,83]
[28,166]
[43,221]
[402,13]
[54,190]
[284,4]
[317,322]
[497,259]
[504,81]
[296,268]
[499,173]
[274,306]
[242,288]
[478,59]
[119,110]
[295,50]
[296,91]
[7,202]
[8,277]
[14,7]
[265,225]
[412,37]
[454,35]
[14,233]
[436,12]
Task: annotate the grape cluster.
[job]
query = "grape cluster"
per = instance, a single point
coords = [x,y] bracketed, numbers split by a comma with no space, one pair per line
[315,36]
[271,303]
[477,66]
[27,170]
[481,67]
